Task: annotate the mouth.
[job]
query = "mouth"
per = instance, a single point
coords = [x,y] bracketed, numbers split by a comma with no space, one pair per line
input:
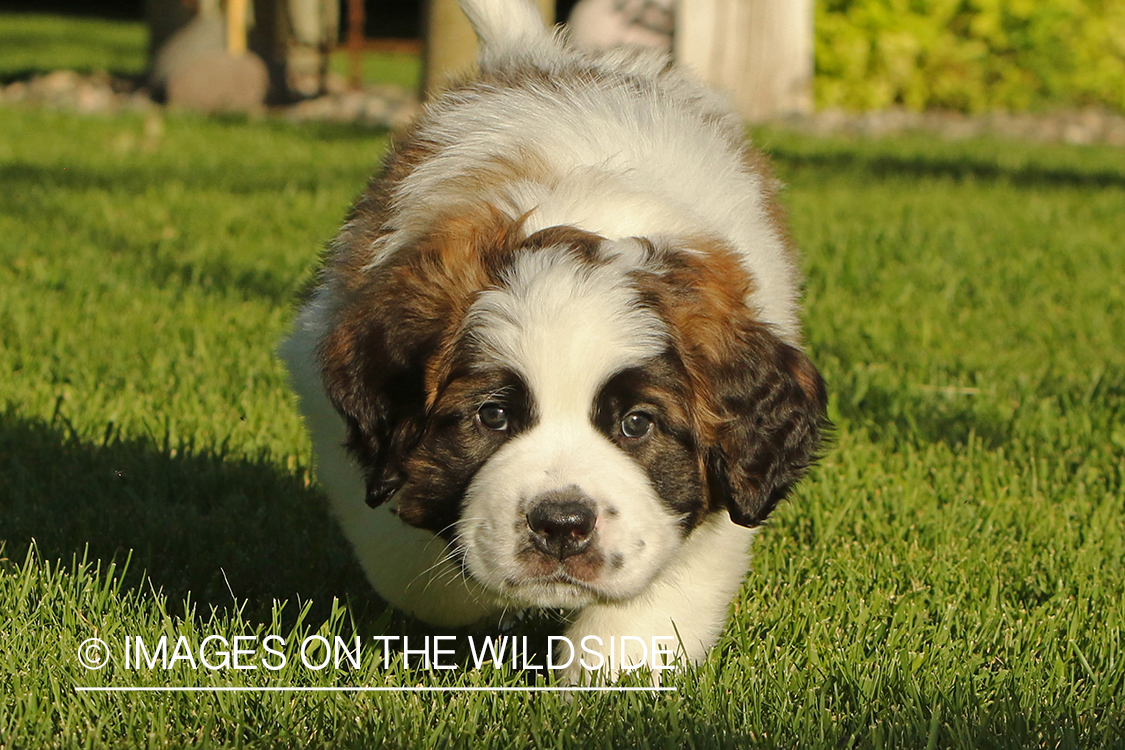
[556,590]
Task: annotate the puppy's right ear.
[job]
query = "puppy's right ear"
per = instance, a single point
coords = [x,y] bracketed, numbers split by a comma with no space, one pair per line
[373,364]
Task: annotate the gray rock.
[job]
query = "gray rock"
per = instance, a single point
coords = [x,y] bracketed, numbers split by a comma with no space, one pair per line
[219,82]
[202,36]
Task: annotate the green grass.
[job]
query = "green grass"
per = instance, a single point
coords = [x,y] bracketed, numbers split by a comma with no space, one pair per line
[39,43]
[399,68]
[950,575]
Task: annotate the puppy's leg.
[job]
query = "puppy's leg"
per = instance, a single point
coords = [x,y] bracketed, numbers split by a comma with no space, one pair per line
[687,603]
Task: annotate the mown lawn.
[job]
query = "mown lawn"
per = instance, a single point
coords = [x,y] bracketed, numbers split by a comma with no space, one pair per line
[950,575]
[35,43]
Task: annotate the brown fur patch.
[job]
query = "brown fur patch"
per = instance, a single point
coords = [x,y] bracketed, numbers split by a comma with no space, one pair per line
[366,222]
[369,220]
[425,290]
[391,346]
[454,446]
[584,244]
[701,293]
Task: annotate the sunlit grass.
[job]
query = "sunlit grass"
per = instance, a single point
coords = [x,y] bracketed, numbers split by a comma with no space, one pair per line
[950,575]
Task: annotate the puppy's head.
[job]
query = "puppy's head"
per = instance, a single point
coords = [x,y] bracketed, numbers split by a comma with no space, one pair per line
[565,409]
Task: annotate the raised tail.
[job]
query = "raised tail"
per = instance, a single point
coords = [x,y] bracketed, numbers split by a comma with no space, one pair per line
[509,29]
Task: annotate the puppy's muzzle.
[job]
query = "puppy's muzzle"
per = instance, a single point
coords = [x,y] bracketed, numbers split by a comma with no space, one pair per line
[562,522]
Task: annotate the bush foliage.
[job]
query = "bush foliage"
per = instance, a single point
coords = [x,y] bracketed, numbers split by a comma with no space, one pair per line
[970,55]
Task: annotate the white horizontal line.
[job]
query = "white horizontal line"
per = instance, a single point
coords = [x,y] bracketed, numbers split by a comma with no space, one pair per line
[413,689]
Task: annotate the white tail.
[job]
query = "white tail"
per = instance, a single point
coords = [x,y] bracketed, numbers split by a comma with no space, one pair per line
[509,28]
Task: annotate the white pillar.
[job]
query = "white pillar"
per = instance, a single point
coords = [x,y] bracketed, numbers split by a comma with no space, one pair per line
[760,51]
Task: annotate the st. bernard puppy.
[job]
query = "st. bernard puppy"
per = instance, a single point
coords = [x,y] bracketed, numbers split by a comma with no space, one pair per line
[553,357]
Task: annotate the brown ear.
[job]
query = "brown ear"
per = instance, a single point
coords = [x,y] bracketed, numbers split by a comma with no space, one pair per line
[771,407]
[373,363]
[390,346]
[759,405]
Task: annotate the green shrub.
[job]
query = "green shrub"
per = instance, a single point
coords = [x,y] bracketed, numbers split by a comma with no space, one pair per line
[970,55]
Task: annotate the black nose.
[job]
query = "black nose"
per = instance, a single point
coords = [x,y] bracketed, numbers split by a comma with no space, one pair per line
[561,522]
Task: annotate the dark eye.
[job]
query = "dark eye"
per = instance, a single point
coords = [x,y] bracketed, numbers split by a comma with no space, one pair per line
[493,416]
[636,425]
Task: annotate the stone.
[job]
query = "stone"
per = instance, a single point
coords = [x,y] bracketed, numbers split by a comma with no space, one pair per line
[201,36]
[92,96]
[219,82]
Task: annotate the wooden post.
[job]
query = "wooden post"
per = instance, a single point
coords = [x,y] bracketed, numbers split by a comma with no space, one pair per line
[451,46]
[760,51]
[236,27]
[357,19]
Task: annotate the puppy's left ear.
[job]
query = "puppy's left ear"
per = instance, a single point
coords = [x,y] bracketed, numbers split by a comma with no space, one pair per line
[771,406]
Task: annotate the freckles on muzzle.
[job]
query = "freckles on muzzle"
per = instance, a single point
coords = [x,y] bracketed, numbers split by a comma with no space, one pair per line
[560,531]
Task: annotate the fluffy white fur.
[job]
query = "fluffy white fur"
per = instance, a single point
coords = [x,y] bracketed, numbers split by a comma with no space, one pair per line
[660,157]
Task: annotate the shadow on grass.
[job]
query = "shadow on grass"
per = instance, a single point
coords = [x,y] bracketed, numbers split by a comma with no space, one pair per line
[227,532]
[327,131]
[955,166]
[221,177]
[225,277]
[196,521]
[920,417]
[228,274]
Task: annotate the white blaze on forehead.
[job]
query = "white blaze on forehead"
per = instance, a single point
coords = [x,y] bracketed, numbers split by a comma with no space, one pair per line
[565,326]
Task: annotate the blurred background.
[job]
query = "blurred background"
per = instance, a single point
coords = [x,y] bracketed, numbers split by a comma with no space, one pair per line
[900,62]
[948,576]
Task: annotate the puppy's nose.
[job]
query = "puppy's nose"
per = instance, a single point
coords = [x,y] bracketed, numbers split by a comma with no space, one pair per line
[562,523]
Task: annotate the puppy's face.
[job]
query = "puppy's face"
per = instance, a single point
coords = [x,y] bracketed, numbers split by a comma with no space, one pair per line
[564,409]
